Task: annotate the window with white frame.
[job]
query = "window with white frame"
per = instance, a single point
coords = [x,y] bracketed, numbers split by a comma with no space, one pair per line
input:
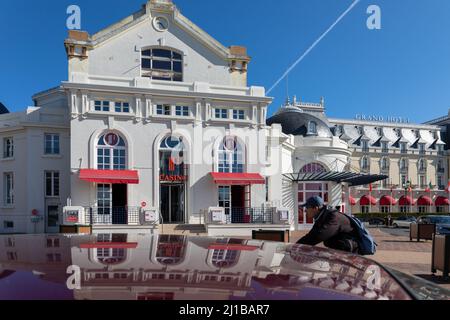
[102,106]
[440,179]
[239,114]
[365,209]
[52,183]
[164,110]
[403,147]
[231,156]
[403,180]
[312,128]
[8,148]
[421,148]
[385,164]
[182,111]
[51,144]
[104,199]
[422,165]
[365,145]
[422,182]
[111,152]
[365,164]
[221,113]
[385,209]
[8,188]
[384,147]
[403,164]
[162,64]
[122,107]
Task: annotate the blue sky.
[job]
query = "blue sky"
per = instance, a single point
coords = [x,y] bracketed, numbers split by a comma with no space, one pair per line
[401,70]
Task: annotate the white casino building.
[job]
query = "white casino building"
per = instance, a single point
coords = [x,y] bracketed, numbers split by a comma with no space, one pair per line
[156,117]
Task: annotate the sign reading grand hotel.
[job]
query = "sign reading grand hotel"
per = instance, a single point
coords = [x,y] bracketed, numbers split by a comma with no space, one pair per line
[391,119]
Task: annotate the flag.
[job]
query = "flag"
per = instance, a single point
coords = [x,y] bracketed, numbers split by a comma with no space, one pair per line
[370,188]
[171,165]
[428,189]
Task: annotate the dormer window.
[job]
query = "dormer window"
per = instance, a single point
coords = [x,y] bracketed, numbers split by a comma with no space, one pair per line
[380,131]
[422,148]
[162,64]
[312,128]
[403,147]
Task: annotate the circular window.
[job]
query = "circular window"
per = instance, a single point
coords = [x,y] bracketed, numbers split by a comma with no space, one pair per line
[160,24]
[111,139]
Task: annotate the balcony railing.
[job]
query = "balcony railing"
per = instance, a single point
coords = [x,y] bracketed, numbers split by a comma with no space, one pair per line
[250,215]
[112,216]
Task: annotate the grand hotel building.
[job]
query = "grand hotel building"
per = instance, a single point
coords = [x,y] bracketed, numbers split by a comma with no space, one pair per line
[157,117]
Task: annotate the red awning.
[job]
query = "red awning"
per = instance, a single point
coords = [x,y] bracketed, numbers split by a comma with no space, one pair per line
[110,176]
[352,201]
[109,245]
[405,201]
[238,179]
[387,201]
[442,201]
[232,247]
[424,201]
[367,201]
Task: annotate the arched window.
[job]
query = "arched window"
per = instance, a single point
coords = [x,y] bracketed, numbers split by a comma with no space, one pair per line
[365,163]
[385,163]
[162,64]
[313,168]
[222,258]
[111,152]
[403,164]
[171,249]
[312,128]
[422,165]
[231,156]
[172,150]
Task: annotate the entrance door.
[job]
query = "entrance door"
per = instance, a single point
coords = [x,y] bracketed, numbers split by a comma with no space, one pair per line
[119,204]
[172,203]
[238,214]
[52,224]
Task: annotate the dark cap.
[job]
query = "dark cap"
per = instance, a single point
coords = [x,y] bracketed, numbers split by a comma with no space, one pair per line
[314,202]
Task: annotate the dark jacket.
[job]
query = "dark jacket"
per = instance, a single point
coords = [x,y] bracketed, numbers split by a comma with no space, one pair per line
[334,229]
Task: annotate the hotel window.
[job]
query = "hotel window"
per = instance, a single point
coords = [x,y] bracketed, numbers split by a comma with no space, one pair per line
[403,164]
[182,111]
[267,189]
[380,131]
[422,165]
[51,144]
[8,148]
[8,187]
[384,164]
[365,145]
[423,209]
[12,256]
[312,128]
[385,209]
[405,209]
[164,110]
[111,152]
[422,182]
[162,64]
[422,148]
[439,182]
[403,180]
[102,106]
[10,242]
[365,209]
[384,147]
[231,156]
[8,224]
[440,150]
[238,114]
[52,183]
[221,113]
[403,147]
[122,107]
[365,163]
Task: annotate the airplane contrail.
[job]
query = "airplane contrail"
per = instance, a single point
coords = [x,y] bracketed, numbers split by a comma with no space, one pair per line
[314,44]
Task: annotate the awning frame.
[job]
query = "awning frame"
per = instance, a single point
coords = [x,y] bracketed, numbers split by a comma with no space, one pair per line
[352,178]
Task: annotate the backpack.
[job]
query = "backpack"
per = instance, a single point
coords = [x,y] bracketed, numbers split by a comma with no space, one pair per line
[366,244]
